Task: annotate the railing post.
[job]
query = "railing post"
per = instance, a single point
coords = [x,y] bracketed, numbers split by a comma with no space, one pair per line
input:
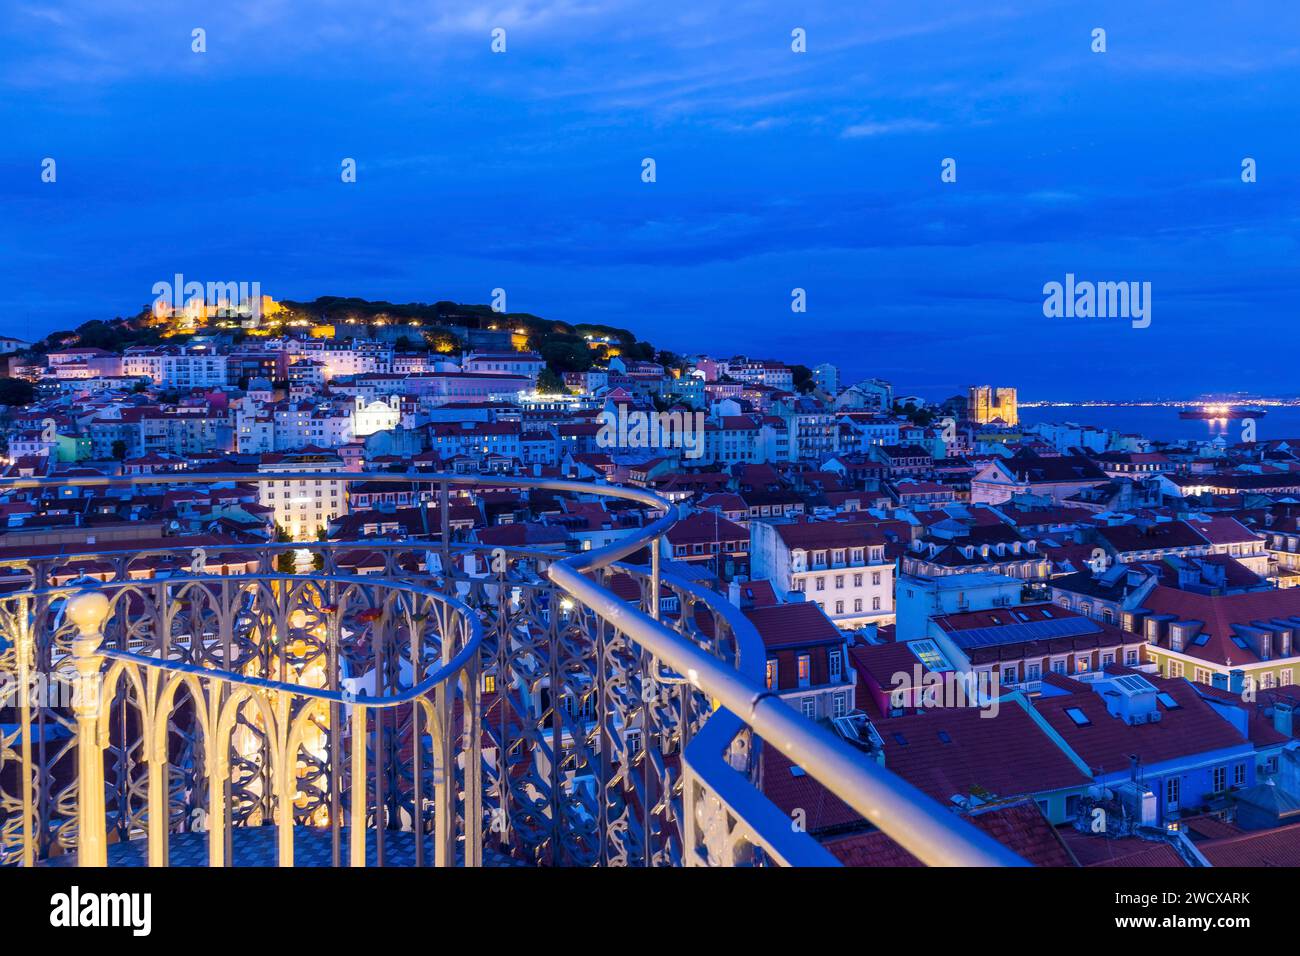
[26,657]
[88,611]
[654,579]
[444,773]
[471,750]
[285,783]
[444,529]
[358,789]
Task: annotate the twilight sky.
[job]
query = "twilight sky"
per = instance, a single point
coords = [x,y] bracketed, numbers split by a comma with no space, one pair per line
[775,170]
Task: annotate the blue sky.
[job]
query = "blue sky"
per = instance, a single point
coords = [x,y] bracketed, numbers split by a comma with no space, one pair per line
[775,170]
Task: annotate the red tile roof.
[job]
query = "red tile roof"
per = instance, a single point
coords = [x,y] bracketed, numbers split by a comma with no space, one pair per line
[1106,743]
[1278,847]
[785,625]
[793,789]
[1005,756]
[706,527]
[1093,850]
[1224,530]
[1218,613]
[1020,827]
[823,535]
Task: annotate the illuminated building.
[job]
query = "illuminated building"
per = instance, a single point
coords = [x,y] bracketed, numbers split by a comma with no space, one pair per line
[303,505]
[985,404]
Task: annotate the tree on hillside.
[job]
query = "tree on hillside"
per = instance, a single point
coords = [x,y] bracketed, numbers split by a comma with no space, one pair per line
[548,383]
[16,391]
[917,416]
[566,353]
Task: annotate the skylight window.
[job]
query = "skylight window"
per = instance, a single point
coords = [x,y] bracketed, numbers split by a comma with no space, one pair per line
[1168,701]
[1079,717]
[930,655]
[943,736]
[900,740]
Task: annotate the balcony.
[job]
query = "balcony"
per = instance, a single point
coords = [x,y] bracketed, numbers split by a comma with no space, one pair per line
[408,703]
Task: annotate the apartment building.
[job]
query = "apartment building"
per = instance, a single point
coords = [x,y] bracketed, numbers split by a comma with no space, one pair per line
[840,566]
[527,365]
[1222,639]
[807,659]
[302,506]
[184,367]
[1056,478]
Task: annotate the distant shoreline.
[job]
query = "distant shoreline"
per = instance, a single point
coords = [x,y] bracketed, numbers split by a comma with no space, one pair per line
[1171,403]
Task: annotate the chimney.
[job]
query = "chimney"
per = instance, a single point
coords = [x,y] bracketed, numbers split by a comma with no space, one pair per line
[733,592]
[1236,680]
[1282,717]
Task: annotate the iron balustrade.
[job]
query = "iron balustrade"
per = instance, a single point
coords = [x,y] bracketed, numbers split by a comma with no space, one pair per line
[554,720]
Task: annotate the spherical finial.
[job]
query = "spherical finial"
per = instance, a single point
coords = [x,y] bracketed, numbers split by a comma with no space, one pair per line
[87,611]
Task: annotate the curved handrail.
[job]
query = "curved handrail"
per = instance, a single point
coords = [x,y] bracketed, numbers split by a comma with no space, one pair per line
[431,681]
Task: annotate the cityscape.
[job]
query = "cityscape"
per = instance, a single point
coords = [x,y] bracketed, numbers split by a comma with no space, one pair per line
[1079,641]
[450,441]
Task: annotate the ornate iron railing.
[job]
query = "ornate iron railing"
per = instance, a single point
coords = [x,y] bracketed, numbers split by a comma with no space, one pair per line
[406,702]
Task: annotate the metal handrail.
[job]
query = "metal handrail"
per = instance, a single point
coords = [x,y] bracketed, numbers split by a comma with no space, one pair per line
[922,826]
[448,669]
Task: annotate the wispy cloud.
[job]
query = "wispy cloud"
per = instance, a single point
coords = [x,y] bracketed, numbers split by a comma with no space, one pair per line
[886,127]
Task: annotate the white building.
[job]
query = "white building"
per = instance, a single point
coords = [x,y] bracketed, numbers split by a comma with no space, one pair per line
[319,424]
[527,364]
[377,416]
[301,506]
[196,367]
[841,566]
